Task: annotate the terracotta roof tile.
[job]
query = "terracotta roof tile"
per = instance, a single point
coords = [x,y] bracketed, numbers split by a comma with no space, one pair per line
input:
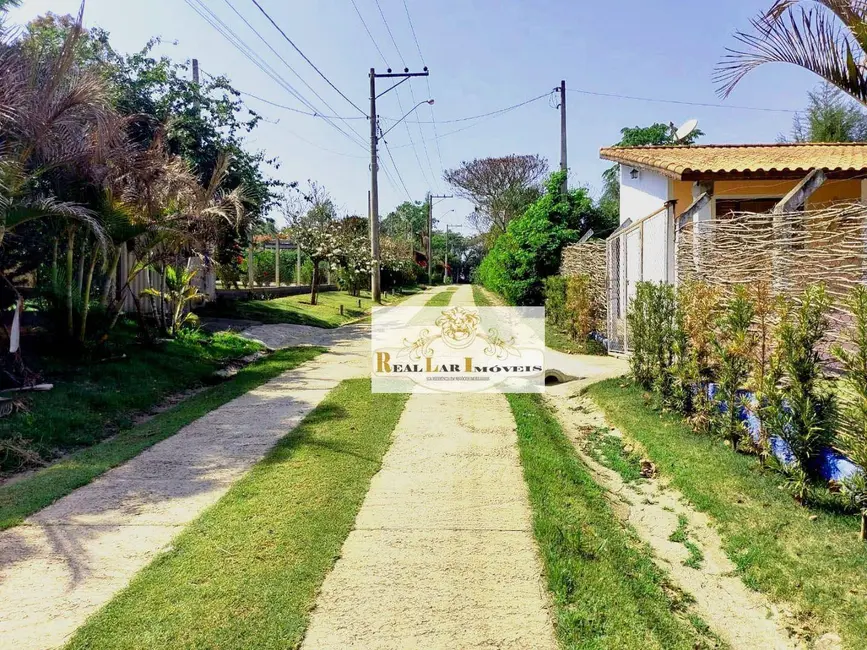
[676,161]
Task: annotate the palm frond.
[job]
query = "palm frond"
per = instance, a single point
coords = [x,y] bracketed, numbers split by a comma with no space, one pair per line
[827,39]
[22,211]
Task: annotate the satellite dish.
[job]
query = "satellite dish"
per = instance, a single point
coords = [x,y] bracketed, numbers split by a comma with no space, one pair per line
[686,130]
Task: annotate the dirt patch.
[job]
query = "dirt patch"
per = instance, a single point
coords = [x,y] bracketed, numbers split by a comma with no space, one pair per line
[683,540]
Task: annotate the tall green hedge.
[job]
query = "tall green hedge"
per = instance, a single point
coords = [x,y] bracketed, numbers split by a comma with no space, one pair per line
[529,250]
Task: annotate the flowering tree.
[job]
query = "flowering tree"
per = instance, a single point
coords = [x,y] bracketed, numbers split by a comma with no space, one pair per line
[314,227]
[353,253]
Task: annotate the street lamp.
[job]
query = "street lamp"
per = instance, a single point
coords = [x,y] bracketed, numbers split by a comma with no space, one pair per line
[408,113]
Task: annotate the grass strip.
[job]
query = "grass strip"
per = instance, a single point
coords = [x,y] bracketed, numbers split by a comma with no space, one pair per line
[608,450]
[681,536]
[298,310]
[95,396]
[441,299]
[483,298]
[245,574]
[811,558]
[607,591]
[27,495]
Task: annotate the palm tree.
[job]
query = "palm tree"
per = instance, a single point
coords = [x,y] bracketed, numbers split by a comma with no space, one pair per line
[828,38]
[53,116]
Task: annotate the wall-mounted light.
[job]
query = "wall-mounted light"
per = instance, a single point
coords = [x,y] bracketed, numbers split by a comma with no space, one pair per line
[634,174]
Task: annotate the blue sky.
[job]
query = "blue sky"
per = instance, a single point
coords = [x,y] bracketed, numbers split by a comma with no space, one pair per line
[483,55]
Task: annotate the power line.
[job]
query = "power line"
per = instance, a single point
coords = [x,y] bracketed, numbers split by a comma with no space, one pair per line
[304,56]
[430,93]
[285,62]
[400,103]
[297,110]
[367,29]
[224,30]
[388,29]
[683,103]
[487,117]
[396,170]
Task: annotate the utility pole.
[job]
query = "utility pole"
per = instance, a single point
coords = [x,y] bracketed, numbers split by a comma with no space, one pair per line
[446,257]
[196,71]
[563,161]
[375,287]
[430,198]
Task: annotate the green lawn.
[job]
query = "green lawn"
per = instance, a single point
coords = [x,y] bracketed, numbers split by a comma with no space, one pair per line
[27,495]
[442,299]
[246,573]
[94,398]
[607,591]
[818,564]
[298,310]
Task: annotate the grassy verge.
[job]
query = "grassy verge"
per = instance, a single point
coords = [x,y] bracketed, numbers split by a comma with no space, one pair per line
[298,310]
[607,591]
[27,495]
[94,398]
[810,558]
[245,574]
[441,299]
[483,298]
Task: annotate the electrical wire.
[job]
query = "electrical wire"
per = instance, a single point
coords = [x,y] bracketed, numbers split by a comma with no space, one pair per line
[304,56]
[388,29]
[430,94]
[367,29]
[683,103]
[224,30]
[287,64]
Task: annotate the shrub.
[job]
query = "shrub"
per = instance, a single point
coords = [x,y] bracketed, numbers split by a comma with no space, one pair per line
[733,349]
[802,411]
[529,250]
[582,308]
[651,321]
[852,434]
[698,309]
[765,373]
[555,301]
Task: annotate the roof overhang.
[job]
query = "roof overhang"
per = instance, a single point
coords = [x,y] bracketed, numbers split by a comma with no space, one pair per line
[675,162]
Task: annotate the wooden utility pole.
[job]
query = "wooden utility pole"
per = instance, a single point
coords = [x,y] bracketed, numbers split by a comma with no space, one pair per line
[429,250]
[375,287]
[196,71]
[430,198]
[563,160]
[446,257]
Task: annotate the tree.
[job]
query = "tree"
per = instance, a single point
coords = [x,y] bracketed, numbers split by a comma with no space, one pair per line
[353,254]
[313,226]
[501,188]
[656,134]
[406,221]
[828,38]
[530,249]
[829,117]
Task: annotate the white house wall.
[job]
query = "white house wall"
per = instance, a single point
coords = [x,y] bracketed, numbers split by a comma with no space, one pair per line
[641,196]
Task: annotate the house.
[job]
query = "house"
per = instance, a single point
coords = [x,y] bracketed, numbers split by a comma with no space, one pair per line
[663,188]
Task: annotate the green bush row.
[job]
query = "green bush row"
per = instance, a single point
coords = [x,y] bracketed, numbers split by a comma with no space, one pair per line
[711,356]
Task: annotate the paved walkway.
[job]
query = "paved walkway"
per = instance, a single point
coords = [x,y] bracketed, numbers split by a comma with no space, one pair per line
[442,554]
[66,561]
